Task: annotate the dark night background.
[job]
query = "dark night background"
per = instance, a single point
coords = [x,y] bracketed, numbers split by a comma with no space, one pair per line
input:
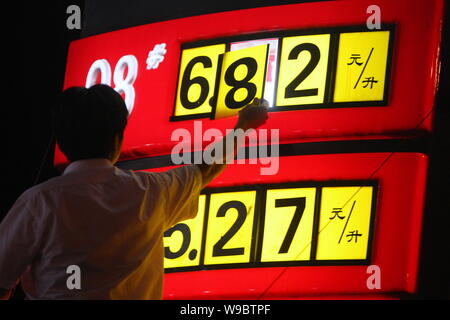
[35,44]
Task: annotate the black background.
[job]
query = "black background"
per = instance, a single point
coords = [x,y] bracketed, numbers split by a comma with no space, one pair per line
[35,42]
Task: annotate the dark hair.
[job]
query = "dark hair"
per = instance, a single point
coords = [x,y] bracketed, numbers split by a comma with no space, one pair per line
[86,121]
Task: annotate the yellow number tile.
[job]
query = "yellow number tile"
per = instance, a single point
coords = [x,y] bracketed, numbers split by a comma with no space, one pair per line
[242,79]
[185,240]
[344,225]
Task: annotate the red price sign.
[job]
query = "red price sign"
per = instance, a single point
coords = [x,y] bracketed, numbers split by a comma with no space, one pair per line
[335,75]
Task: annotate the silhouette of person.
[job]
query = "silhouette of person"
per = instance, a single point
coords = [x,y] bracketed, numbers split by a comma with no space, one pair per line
[96,221]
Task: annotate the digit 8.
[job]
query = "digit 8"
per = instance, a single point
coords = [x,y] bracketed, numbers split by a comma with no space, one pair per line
[123,85]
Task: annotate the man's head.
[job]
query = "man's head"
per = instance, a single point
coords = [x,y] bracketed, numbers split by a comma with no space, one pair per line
[89,123]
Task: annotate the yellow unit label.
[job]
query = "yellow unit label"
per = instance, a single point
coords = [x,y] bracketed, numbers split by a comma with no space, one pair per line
[242,79]
[361,66]
[182,242]
[344,224]
[288,224]
[230,228]
[196,80]
[303,70]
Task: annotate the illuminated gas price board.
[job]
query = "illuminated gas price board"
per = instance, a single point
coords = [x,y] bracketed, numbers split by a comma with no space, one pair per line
[285,224]
[292,70]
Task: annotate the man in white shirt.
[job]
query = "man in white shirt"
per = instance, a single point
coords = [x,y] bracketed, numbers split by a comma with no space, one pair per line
[105,221]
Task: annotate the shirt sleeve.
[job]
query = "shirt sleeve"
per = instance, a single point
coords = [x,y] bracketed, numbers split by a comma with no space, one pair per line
[181,191]
[19,242]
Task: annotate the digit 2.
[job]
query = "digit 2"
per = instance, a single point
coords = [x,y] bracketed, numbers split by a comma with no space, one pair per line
[184,229]
[299,204]
[186,83]
[252,67]
[291,91]
[218,249]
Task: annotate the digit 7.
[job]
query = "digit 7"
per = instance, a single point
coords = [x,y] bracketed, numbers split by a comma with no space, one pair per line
[299,204]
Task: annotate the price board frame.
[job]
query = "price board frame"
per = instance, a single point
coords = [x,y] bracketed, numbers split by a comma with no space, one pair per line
[259,219]
[331,73]
[411,90]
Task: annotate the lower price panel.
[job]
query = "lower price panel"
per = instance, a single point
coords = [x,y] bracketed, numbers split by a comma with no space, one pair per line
[288,224]
[318,228]
[275,225]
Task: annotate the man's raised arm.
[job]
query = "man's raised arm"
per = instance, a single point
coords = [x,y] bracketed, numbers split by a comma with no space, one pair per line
[5,294]
[250,117]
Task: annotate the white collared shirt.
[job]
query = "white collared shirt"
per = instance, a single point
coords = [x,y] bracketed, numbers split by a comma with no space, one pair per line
[107,221]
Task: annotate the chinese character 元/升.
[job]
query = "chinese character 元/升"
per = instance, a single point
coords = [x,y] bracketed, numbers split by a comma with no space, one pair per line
[353,235]
[355,57]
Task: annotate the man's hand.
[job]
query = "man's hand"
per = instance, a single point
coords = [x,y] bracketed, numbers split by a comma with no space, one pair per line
[253,115]
[250,117]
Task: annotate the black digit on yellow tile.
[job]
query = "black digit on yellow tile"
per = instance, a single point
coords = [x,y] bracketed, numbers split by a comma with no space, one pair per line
[288,223]
[303,70]
[230,225]
[218,248]
[362,66]
[182,242]
[345,223]
[196,80]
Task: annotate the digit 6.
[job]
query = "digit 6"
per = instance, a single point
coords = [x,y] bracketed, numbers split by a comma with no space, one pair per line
[186,232]
[230,79]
